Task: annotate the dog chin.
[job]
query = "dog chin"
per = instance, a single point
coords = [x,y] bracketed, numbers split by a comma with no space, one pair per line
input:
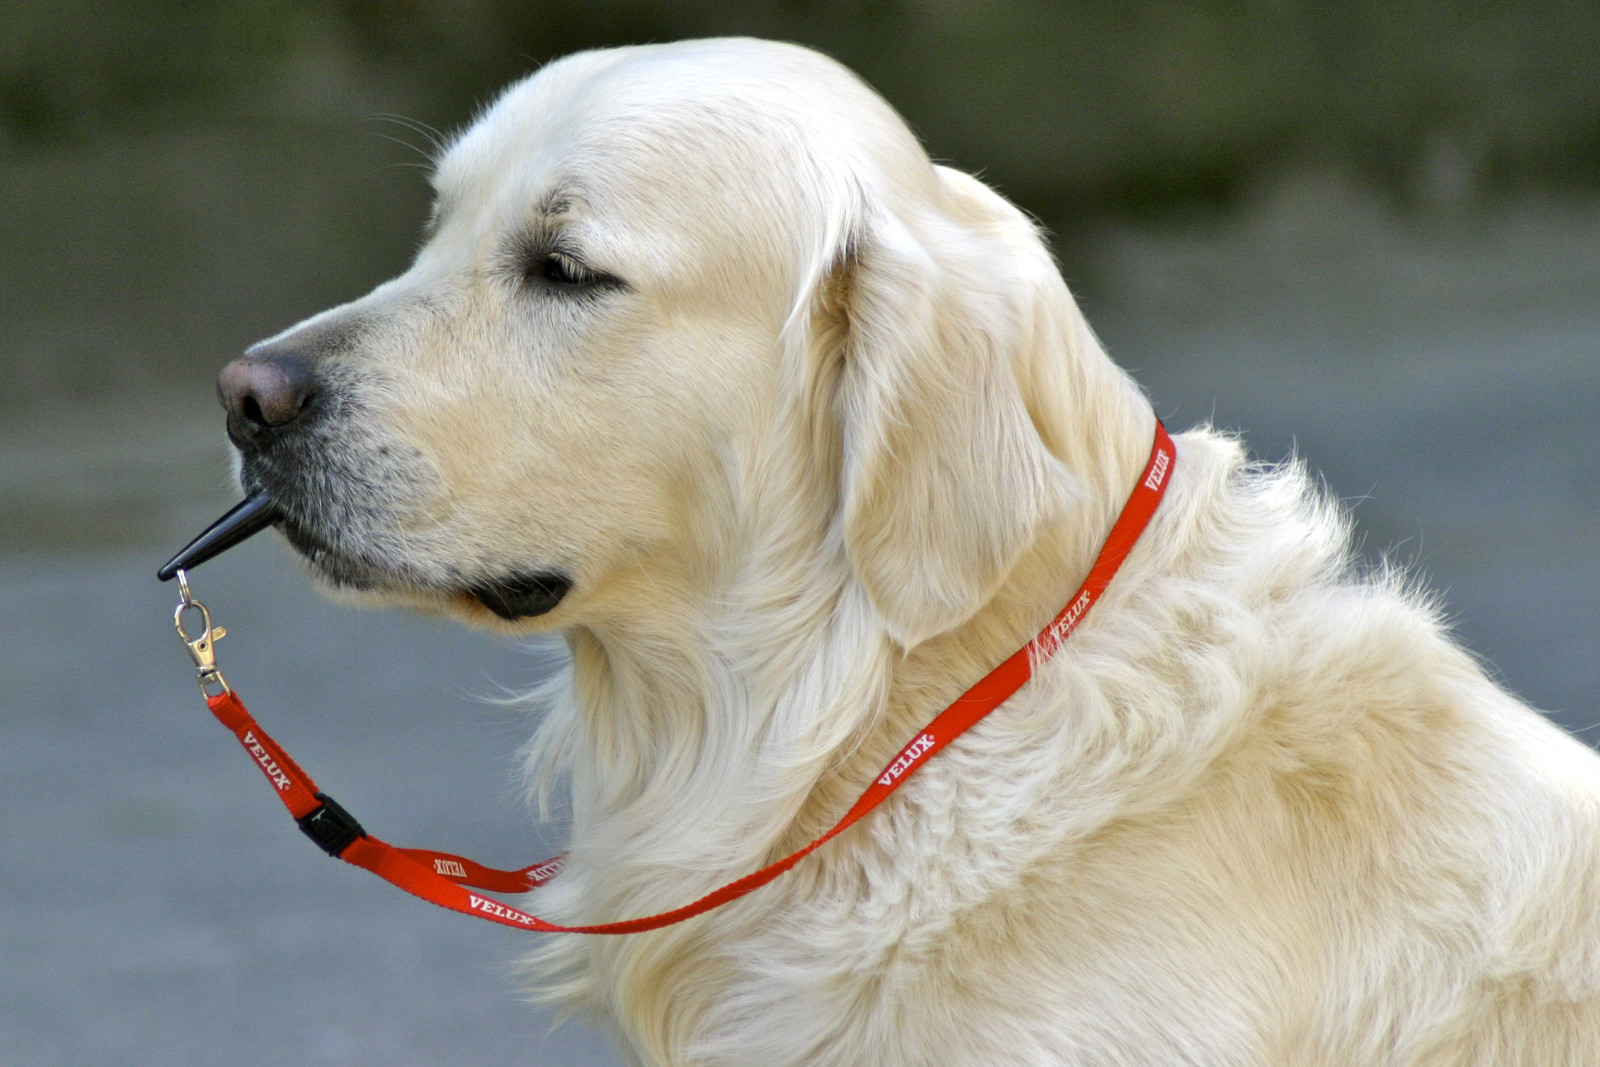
[335,568]
[512,596]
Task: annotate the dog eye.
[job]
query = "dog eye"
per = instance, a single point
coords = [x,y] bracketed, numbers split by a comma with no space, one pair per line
[541,264]
[559,269]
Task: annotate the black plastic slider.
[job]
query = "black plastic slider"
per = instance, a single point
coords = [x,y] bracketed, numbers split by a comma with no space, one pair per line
[330,826]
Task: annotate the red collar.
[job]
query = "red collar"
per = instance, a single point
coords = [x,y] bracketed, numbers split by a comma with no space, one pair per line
[442,878]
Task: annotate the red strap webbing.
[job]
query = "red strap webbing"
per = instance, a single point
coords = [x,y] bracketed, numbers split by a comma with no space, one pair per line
[443,878]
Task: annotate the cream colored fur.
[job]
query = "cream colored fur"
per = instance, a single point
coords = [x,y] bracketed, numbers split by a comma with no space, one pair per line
[841,444]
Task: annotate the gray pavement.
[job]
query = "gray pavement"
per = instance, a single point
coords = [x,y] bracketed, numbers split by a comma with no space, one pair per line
[158,908]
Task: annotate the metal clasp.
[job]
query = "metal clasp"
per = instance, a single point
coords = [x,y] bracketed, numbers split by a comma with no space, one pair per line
[202,649]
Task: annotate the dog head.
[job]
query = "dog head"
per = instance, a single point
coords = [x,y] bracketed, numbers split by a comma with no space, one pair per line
[663,288]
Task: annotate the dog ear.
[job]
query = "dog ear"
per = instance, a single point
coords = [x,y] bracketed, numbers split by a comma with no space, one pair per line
[946,480]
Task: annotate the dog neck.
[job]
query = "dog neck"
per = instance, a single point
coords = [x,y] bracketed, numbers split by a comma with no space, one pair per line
[706,733]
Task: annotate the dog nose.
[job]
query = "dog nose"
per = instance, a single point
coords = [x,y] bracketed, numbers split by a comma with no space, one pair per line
[265,394]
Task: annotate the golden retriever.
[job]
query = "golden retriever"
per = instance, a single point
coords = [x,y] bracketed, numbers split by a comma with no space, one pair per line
[794,434]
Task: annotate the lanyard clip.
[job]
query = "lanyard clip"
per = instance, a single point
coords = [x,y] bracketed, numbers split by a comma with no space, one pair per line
[203,648]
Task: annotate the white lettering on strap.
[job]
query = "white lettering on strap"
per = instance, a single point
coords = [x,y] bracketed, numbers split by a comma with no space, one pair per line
[983,697]
[907,759]
[449,868]
[546,870]
[1158,470]
[494,907]
[268,764]
[1069,618]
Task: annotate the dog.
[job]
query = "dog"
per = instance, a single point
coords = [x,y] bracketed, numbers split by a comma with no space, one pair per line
[793,435]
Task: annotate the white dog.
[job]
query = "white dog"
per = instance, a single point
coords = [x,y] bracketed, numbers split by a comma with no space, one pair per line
[795,435]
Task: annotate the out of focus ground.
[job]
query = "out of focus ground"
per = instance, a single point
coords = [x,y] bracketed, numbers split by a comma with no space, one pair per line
[1442,372]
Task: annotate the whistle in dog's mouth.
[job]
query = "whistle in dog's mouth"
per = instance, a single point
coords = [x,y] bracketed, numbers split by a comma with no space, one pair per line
[513,596]
[243,521]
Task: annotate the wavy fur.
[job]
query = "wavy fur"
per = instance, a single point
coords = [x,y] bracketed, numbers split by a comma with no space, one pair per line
[841,443]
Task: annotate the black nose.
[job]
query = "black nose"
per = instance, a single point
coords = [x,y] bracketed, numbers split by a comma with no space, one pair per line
[266,394]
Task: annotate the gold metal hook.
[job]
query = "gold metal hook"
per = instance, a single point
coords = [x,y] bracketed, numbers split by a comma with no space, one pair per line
[202,648]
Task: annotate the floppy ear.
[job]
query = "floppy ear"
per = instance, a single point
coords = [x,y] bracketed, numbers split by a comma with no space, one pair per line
[946,480]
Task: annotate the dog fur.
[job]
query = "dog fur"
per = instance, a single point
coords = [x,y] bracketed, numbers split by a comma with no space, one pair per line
[818,436]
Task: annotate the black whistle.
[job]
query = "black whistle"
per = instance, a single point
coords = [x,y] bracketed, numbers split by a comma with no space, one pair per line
[244,520]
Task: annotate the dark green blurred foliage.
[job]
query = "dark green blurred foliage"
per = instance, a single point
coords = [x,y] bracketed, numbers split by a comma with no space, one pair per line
[1119,104]
[182,177]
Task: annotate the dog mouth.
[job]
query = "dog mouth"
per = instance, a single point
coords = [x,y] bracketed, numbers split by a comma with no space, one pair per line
[517,594]
[353,500]
[511,595]
[344,528]
[522,595]
[336,563]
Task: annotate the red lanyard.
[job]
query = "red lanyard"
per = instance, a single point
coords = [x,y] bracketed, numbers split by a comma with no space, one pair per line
[443,878]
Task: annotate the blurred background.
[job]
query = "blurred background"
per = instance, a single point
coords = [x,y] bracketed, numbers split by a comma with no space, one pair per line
[1367,233]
